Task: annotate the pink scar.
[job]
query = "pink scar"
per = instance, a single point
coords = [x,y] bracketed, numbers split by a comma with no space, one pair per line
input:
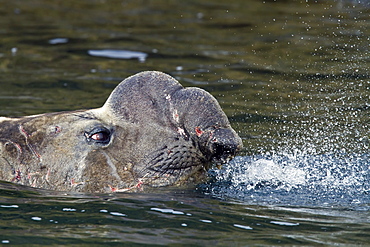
[198,131]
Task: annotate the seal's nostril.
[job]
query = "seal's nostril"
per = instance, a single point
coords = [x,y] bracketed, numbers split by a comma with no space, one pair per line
[225,149]
[223,152]
[223,144]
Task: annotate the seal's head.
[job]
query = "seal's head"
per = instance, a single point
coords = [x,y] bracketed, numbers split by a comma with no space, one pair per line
[151,131]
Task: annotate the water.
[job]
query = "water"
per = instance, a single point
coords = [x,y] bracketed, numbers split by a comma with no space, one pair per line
[292,77]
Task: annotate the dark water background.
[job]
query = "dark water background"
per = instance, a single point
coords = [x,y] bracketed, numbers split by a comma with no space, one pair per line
[292,77]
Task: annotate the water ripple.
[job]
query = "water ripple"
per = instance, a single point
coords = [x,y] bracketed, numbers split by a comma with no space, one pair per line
[119,54]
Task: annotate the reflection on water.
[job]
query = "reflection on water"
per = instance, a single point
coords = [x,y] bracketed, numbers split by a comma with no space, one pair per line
[119,54]
[58,41]
[291,75]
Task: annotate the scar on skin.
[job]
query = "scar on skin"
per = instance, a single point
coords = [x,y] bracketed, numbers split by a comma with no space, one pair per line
[135,186]
[74,183]
[16,145]
[47,175]
[175,115]
[138,186]
[181,131]
[198,131]
[26,136]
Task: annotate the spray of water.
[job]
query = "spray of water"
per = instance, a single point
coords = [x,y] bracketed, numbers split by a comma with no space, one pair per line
[323,160]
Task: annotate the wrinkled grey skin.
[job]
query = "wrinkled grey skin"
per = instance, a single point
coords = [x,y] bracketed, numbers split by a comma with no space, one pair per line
[150,132]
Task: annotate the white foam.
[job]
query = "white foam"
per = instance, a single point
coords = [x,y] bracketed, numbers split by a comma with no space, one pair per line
[271,172]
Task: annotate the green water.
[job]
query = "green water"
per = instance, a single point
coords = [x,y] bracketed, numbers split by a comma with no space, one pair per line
[292,77]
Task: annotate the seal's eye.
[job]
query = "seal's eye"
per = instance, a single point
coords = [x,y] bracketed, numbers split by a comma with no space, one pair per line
[99,135]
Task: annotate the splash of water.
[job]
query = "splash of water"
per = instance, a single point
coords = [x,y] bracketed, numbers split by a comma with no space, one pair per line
[295,179]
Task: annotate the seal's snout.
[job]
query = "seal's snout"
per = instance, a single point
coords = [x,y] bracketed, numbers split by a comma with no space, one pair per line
[223,152]
[224,145]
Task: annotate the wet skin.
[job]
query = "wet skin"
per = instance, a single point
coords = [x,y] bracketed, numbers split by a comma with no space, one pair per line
[150,132]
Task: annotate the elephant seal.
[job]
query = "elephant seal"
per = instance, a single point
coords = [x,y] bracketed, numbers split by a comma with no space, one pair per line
[150,132]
